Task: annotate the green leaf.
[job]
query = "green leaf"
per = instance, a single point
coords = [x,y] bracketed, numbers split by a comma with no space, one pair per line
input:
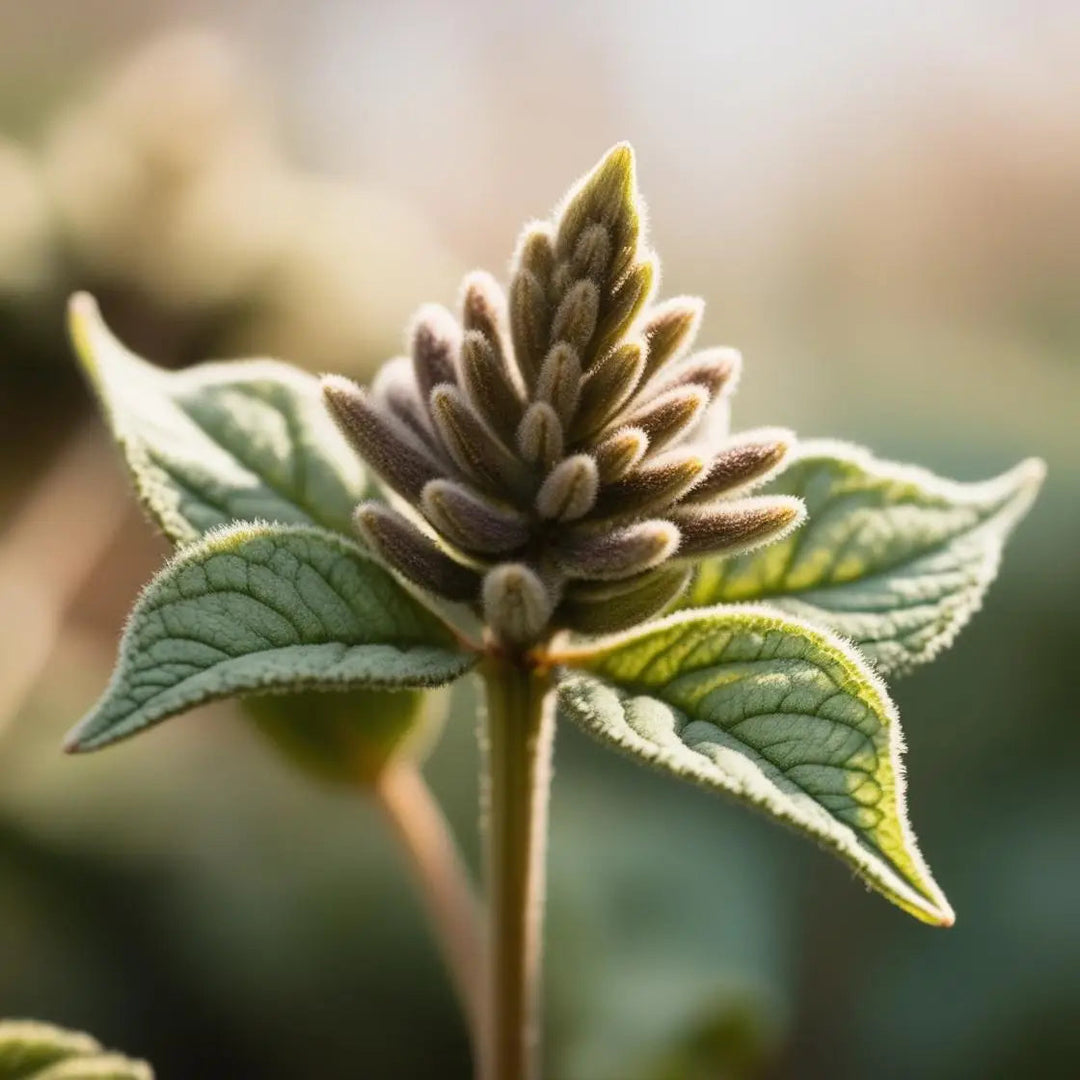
[242,440]
[33,1051]
[783,716]
[350,737]
[893,558]
[265,609]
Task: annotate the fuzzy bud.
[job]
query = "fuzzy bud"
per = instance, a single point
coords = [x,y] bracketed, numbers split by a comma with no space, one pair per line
[472,444]
[654,486]
[382,441]
[730,527]
[607,386]
[395,391]
[749,462]
[670,330]
[530,324]
[716,370]
[629,297]
[569,490]
[607,195]
[483,309]
[536,251]
[516,604]
[488,384]
[559,382]
[619,453]
[607,606]
[472,521]
[436,339]
[612,554]
[592,253]
[398,542]
[575,318]
[667,416]
[540,435]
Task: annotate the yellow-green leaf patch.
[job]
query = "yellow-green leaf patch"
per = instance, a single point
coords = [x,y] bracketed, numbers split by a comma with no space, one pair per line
[764,707]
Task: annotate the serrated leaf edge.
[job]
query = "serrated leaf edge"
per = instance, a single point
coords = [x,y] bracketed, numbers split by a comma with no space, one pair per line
[932,907]
[220,540]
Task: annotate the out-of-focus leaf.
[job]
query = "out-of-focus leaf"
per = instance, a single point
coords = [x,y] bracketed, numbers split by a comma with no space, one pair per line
[237,441]
[893,558]
[349,737]
[783,716]
[34,1051]
[264,609]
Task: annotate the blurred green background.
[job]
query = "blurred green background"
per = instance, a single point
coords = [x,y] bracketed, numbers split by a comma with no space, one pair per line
[879,203]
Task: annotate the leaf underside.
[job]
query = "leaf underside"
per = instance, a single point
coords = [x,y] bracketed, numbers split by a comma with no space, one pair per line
[781,715]
[220,442]
[892,558]
[267,609]
[34,1051]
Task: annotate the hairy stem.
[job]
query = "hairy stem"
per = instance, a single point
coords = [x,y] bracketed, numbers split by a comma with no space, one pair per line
[520,729]
[443,879]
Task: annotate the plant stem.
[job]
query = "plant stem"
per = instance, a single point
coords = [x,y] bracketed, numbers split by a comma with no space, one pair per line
[520,726]
[47,551]
[445,887]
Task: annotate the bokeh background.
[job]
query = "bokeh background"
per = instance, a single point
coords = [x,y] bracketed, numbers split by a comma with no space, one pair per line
[881,205]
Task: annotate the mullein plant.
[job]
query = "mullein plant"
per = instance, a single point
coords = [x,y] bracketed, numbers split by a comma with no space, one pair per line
[544,491]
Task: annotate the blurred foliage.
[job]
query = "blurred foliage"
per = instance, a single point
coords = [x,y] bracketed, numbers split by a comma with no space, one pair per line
[191,900]
[165,189]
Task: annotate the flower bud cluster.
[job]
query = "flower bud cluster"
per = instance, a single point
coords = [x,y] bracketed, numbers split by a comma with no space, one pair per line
[552,451]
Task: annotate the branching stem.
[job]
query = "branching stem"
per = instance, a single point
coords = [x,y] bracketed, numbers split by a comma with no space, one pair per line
[443,880]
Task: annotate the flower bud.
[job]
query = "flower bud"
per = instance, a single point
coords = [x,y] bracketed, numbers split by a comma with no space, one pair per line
[472,444]
[483,309]
[472,521]
[575,318]
[569,490]
[399,543]
[486,380]
[592,254]
[559,382]
[607,386]
[667,416]
[607,195]
[607,606]
[517,606]
[620,452]
[540,436]
[530,324]
[436,339]
[395,391]
[651,487]
[629,297]
[670,330]
[749,462]
[536,251]
[611,554]
[717,370]
[727,528]
[382,441]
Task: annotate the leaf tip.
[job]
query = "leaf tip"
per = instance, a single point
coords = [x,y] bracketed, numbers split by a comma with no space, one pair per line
[85,324]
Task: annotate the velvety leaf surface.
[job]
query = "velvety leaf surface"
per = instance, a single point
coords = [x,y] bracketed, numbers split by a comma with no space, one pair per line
[762,706]
[257,609]
[33,1051]
[221,442]
[893,558]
